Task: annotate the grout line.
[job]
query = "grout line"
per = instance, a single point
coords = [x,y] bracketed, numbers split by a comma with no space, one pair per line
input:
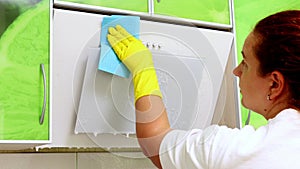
[76,160]
[73,150]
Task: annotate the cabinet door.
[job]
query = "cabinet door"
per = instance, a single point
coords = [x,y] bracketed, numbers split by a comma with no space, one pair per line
[24,73]
[205,10]
[132,5]
[247,14]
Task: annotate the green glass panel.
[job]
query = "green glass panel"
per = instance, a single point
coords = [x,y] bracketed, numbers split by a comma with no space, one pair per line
[247,13]
[205,10]
[132,5]
[23,46]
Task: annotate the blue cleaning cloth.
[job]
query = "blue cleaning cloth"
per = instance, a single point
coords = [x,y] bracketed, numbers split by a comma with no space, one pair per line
[109,61]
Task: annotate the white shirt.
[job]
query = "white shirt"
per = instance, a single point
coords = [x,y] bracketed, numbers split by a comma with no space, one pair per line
[273,146]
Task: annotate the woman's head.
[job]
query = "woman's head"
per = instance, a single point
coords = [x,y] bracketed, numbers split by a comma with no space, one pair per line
[268,73]
[278,49]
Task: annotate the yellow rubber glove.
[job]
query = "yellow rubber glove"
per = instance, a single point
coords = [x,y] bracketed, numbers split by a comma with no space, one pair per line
[137,58]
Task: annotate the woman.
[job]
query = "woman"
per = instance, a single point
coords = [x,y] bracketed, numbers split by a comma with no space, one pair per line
[269,84]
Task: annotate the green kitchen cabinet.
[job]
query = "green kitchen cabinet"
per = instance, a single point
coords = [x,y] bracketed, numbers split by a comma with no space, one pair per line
[246,14]
[216,11]
[131,5]
[24,73]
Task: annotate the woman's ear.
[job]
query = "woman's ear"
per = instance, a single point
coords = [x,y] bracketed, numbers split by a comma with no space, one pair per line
[278,85]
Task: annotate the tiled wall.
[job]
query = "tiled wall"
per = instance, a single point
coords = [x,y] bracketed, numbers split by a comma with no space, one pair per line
[73,161]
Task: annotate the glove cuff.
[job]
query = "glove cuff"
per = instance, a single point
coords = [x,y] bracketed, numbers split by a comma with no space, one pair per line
[146,83]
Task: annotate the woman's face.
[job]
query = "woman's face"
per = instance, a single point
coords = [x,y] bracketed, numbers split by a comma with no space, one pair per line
[253,87]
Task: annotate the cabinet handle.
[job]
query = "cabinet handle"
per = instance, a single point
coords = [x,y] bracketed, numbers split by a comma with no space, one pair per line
[158,1]
[45,94]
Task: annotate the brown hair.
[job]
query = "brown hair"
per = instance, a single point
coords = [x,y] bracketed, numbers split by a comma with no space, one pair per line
[278,48]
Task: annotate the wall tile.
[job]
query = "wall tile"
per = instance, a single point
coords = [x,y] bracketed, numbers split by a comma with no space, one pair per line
[38,161]
[113,161]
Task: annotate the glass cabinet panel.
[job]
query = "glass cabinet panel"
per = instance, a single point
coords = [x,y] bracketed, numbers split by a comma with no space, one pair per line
[205,10]
[132,5]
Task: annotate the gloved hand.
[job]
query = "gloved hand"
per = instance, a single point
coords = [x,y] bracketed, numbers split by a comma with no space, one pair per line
[137,58]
